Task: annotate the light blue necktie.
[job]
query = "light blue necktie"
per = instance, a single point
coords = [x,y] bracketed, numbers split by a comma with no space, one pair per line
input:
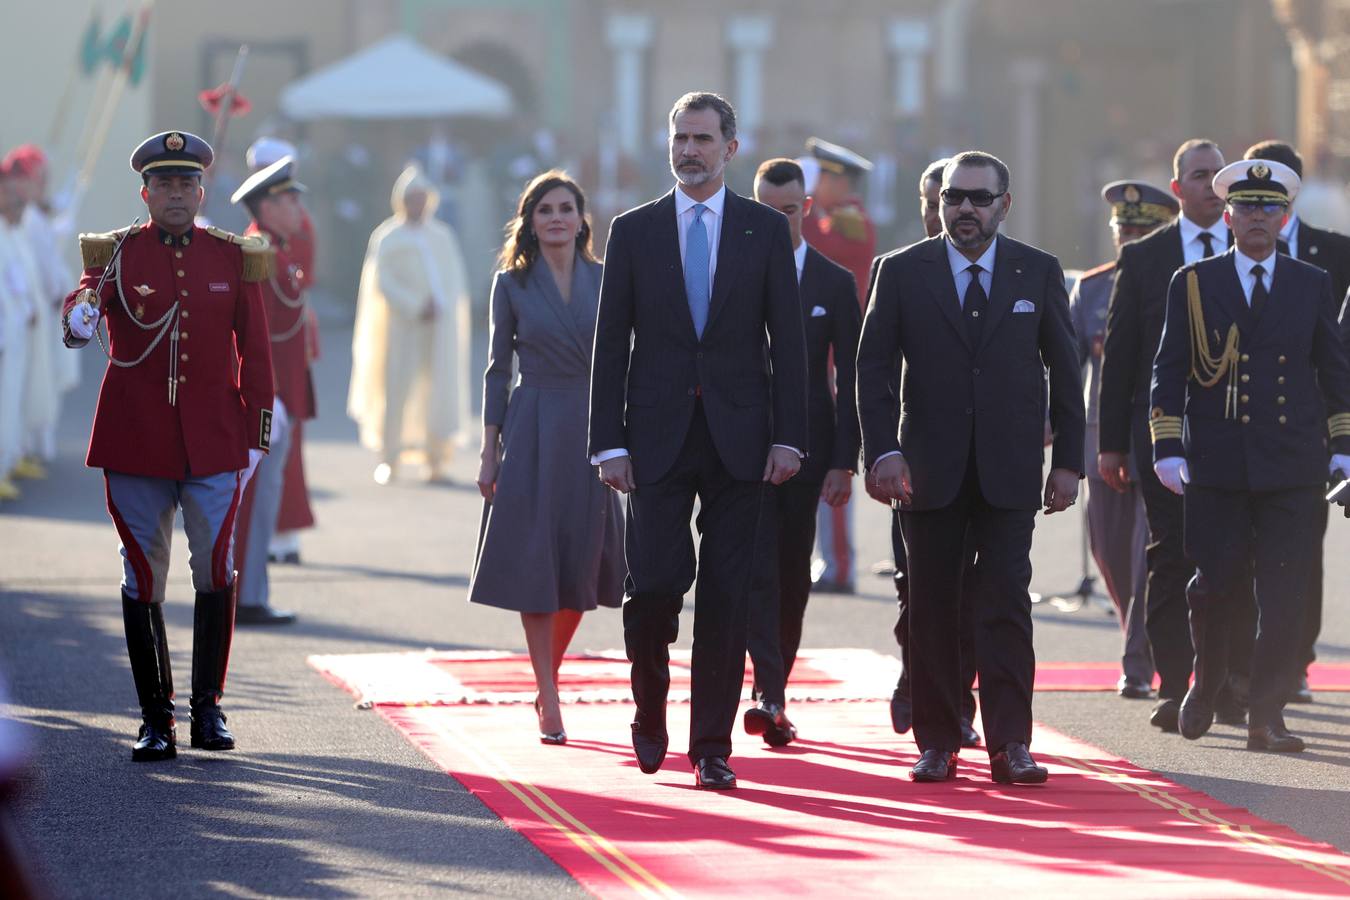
[696,269]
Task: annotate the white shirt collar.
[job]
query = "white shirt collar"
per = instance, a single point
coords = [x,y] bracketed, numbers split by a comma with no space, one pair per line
[1191,231]
[715,203]
[800,256]
[959,263]
[1244,264]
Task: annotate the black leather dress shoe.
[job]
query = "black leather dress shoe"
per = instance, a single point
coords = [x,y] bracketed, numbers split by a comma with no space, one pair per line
[1014,765]
[969,736]
[208,729]
[650,748]
[1229,709]
[157,740]
[934,765]
[1134,689]
[711,773]
[262,615]
[1273,739]
[1302,693]
[1165,715]
[769,720]
[902,712]
[1195,717]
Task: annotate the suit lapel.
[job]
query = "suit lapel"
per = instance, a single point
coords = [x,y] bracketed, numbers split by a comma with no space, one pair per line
[1007,272]
[942,287]
[548,289]
[665,255]
[729,244]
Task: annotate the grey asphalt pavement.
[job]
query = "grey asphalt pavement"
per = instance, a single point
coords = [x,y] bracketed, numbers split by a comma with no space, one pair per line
[324,800]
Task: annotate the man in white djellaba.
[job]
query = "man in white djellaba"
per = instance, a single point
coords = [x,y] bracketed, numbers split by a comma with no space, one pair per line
[410,345]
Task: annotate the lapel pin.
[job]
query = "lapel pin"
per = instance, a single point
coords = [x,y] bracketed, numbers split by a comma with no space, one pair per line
[749,231]
[1312,251]
[144,290]
[1017,271]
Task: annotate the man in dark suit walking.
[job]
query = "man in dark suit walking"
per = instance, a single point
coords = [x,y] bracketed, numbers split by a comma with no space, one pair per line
[689,401]
[1328,250]
[829,306]
[1134,323]
[976,319]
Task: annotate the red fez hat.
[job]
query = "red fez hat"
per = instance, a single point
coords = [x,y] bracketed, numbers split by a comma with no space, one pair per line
[23,160]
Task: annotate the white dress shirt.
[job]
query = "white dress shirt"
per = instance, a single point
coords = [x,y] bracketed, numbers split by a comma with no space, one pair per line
[799,255]
[1289,234]
[1244,265]
[712,221]
[1192,247]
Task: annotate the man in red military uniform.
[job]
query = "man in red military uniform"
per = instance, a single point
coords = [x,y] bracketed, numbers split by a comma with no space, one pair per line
[183,417]
[838,227]
[272,196]
[294,513]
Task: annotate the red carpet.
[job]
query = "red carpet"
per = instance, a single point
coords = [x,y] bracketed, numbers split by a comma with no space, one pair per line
[834,814]
[450,678]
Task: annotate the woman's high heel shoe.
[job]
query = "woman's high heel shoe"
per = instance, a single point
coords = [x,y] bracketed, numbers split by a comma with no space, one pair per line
[548,737]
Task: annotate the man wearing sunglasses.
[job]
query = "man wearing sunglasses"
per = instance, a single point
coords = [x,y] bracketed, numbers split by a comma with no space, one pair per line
[1250,379]
[976,319]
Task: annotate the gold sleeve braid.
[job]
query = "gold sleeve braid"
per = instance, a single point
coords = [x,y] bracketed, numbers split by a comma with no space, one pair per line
[1206,368]
[1338,425]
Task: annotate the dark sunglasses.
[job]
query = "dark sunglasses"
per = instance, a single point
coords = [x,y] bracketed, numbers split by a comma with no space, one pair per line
[1270,209]
[957,196]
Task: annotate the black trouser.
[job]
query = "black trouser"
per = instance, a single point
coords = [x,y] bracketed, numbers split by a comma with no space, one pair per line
[966,590]
[1274,535]
[937,544]
[782,586]
[1312,621]
[1170,572]
[661,568]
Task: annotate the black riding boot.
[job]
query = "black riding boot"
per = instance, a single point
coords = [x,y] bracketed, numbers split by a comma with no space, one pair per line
[212,631]
[148,649]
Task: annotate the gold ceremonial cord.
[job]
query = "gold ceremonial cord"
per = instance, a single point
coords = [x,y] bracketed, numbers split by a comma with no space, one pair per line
[1207,369]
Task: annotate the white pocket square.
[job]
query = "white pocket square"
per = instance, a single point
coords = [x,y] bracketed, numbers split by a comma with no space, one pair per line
[1024,306]
[817,311]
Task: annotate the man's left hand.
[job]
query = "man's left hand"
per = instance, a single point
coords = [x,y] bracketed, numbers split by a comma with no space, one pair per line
[838,487]
[782,465]
[1061,490]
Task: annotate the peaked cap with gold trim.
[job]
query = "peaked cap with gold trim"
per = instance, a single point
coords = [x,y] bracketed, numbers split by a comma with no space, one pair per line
[172,153]
[1257,181]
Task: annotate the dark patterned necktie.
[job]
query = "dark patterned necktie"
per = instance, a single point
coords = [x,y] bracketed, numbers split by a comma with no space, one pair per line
[975,305]
[1259,295]
[1208,240]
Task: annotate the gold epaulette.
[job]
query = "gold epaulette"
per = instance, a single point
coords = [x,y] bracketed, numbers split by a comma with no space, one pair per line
[96,249]
[1164,427]
[1339,424]
[1207,369]
[259,255]
[849,222]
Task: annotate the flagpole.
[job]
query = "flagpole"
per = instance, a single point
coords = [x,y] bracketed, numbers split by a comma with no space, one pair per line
[63,105]
[223,113]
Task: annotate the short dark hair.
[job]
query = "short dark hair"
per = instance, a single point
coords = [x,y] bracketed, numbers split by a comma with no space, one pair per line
[933,173]
[1179,159]
[780,171]
[1277,151]
[696,100]
[978,159]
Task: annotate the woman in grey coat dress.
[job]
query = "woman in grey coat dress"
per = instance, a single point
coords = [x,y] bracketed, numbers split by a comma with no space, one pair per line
[551,545]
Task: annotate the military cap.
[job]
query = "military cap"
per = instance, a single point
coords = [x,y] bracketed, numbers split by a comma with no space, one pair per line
[277,178]
[836,159]
[1139,203]
[172,153]
[1257,180]
[267,150]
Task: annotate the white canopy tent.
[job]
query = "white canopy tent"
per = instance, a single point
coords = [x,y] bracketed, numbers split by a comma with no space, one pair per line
[396,78]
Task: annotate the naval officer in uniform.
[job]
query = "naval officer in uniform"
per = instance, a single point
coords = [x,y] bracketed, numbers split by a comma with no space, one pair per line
[184,415]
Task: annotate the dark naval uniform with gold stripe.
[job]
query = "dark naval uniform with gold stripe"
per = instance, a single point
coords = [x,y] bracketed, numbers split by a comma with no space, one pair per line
[1247,396]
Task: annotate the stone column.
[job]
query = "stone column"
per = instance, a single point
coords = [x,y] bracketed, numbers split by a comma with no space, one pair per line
[909,41]
[748,36]
[1028,77]
[628,35]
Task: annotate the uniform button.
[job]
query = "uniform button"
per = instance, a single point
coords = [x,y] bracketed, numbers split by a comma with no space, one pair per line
[969,411]
[182,335]
[178,254]
[698,355]
[974,313]
[975,371]
[1283,420]
[184,313]
[1246,419]
[1280,380]
[1279,400]
[184,293]
[1245,398]
[183,357]
[1283,359]
[182,378]
[181,273]
[1245,377]
[1246,358]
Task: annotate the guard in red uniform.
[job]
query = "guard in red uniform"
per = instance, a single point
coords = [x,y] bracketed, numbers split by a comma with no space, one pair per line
[272,196]
[839,228]
[183,417]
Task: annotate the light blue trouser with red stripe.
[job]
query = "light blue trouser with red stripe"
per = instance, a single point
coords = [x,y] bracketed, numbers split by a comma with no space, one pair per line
[143,510]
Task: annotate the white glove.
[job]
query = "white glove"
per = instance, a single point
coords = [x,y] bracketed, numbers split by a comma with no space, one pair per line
[1172,472]
[1340,465]
[83,320]
[254,457]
